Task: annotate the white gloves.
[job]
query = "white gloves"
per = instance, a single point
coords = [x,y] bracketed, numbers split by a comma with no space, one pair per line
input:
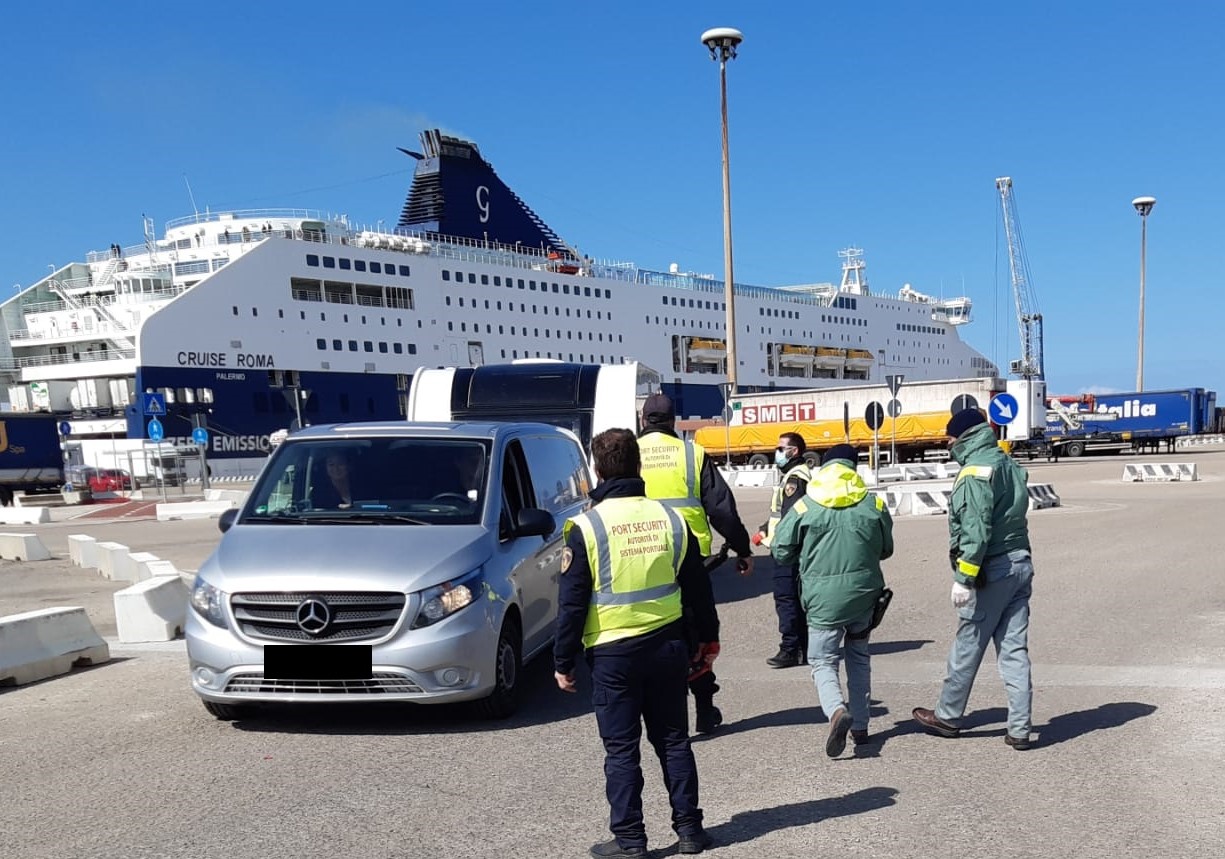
[961,594]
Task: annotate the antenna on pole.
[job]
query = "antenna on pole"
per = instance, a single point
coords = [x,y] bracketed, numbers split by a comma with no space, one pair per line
[191,196]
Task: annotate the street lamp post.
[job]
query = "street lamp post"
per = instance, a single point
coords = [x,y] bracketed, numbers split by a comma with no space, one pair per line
[1143,205]
[722,42]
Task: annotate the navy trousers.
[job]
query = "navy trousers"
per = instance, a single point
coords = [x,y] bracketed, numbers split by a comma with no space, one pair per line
[646,686]
[792,624]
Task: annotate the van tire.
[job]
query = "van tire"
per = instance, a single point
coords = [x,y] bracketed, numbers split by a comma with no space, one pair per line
[227,712]
[508,671]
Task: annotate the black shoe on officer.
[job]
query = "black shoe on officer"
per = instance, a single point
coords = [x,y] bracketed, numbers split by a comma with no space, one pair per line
[612,850]
[785,658]
[695,842]
[709,718]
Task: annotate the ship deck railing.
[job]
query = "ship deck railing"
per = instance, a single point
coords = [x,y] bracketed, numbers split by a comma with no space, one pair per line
[57,359]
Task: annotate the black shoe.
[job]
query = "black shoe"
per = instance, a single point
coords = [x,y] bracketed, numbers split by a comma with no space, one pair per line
[694,843]
[708,719]
[933,723]
[1021,744]
[839,725]
[612,850]
[785,658]
[860,738]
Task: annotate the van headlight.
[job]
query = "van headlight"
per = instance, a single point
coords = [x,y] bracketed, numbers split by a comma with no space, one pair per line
[447,598]
[209,602]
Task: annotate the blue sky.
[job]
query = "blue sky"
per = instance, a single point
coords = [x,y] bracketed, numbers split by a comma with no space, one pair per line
[880,125]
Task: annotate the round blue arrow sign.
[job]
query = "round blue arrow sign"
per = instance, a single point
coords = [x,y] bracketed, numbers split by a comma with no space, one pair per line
[1003,409]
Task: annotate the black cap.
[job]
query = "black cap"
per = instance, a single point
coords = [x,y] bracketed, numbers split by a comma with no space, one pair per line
[962,421]
[840,451]
[658,409]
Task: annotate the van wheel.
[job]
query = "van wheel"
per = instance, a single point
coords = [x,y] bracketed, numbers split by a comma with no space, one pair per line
[504,699]
[758,460]
[1075,448]
[227,712]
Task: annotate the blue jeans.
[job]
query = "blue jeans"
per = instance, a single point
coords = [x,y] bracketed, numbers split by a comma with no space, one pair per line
[825,651]
[997,611]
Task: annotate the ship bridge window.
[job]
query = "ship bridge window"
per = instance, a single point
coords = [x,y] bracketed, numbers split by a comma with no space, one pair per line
[359,265]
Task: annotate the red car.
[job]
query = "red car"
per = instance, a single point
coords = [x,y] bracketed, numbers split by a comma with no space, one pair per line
[102,479]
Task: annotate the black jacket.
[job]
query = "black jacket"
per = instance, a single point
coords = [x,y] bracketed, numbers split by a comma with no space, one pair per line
[718,502]
[574,592]
[789,498]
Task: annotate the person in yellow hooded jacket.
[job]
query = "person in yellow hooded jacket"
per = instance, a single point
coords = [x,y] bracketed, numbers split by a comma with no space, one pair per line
[839,532]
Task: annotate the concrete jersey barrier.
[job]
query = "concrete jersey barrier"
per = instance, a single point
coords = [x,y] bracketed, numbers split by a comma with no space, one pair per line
[44,643]
[1160,472]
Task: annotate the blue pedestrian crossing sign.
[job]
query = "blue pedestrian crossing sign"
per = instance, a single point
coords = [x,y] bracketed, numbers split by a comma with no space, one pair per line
[199,435]
[1003,409]
[155,404]
[156,432]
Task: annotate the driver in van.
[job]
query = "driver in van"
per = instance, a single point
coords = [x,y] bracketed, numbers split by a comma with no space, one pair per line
[339,471]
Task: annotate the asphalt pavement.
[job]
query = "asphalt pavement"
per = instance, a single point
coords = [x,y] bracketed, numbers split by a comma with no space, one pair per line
[1127,639]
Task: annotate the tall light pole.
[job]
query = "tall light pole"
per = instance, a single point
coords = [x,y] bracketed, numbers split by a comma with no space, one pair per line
[1143,205]
[722,42]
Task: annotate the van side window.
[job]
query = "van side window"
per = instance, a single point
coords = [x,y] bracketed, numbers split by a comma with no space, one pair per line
[559,474]
[516,488]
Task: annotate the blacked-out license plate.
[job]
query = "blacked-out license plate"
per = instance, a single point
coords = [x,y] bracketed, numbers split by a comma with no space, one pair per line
[318,661]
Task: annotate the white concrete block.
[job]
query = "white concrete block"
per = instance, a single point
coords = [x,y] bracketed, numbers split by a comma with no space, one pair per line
[1160,472]
[83,551]
[24,515]
[23,547]
[111,556]
[152,610]
[1042,496]
[193,510]
[135,564]
[151,566]
[40,644]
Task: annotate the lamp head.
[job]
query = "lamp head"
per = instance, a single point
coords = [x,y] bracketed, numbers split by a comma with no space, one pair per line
[1144,205]
[722,42]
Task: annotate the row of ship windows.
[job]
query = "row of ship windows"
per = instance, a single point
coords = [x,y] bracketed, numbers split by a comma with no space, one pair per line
[367,346]
[516,332]
[582,359]
[263,403]
[322,316]
[670,301]
[531,285]
[921,329]
[510,305]
[313,260]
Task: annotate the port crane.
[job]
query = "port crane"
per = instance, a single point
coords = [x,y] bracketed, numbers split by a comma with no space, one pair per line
[1029,320]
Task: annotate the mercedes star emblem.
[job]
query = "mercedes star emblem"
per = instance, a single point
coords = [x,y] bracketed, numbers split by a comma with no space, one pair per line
[314,615]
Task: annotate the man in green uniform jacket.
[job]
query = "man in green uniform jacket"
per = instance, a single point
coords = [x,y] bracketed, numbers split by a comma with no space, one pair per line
[992,579]
[839,533]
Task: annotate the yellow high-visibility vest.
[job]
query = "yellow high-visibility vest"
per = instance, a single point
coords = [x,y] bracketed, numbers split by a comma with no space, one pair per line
[635,547]
[672,470]
[801,471]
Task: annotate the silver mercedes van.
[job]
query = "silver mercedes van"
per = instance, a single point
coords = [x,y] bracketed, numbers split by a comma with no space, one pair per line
[388,562]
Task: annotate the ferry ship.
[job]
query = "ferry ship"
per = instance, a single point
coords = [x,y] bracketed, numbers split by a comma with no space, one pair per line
[248,322]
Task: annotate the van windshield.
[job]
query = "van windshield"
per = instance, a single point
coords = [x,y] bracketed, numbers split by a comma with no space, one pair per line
[378,480]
